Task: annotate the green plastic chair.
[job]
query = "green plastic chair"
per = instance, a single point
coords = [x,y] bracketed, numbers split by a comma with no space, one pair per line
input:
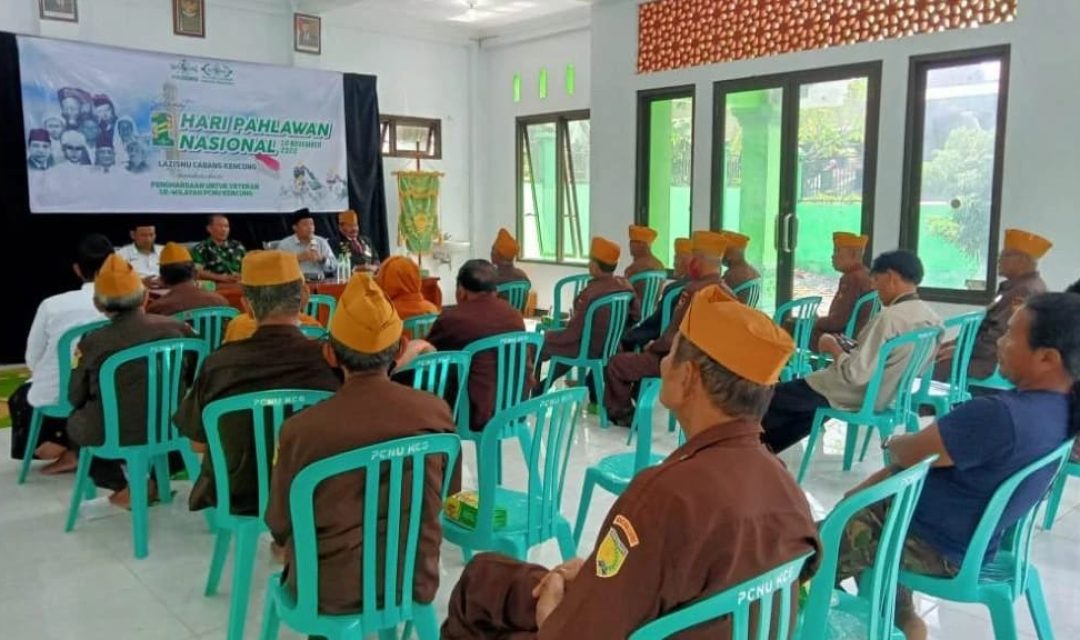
[736,601]
[209,323]
[65,350]
[431,373]
[667,305]
[576,283]
[996,382]
[516,293]
[921,344]
[315,305]
[1071,468]
[998,581]
[871,298]
[279,404]
[420,326]
[312,332]
[618,307]
[165,362]
[804,310]
[833,613]
[383,469]
[943,396]
[613,473]
[532,516]
[750,292]
[652,281]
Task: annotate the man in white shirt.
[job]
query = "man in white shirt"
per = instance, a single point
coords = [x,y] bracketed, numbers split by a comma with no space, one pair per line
[143,253]
[55,316]
[895,275]
[314,253]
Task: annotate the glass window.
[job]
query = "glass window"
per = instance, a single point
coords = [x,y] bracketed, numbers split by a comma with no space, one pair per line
[404,137]
[952,206]
[553,187]
[665,166]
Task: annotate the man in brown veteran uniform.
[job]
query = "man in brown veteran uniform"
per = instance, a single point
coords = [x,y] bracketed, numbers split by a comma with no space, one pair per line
[480,313]
[626,370]
[278,356]
[120,295]
[365,338]
[683,530]
[739,271]
[641,240]
[603,258]
[178,275]
[1019,265]
[503,253]
[847,258]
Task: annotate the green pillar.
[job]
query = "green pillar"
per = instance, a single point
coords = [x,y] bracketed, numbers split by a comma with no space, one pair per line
[660,178]
[760,191]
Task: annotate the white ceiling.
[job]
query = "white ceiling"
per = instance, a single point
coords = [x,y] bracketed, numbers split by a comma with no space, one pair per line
[485,14]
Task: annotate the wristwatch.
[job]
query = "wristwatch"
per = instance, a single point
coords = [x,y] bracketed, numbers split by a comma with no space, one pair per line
[886,442]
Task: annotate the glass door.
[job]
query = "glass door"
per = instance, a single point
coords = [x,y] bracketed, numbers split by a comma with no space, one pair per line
[665,166]
[797,165]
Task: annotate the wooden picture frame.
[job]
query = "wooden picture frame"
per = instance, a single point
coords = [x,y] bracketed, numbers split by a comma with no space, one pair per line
[62,10]
[189,18]
[307,33]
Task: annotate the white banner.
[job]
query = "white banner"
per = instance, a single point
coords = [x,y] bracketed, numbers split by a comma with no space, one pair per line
[121,131]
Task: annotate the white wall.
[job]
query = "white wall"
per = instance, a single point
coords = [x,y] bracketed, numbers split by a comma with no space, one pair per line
[1041,185]
[496,164]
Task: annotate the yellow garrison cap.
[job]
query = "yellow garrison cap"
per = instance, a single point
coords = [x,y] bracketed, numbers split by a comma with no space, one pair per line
[365,320]
[743,340]
[174,254]
[709,243]
[116,278]
[1026,242]
[506,247]
[642,234]
[348,217]
[606,251]
[267,268]
[683,246]
[736,240]
[846,240]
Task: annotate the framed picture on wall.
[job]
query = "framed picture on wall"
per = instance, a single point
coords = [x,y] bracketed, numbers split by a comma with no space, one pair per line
[66,10]
[189,18]
[307,33]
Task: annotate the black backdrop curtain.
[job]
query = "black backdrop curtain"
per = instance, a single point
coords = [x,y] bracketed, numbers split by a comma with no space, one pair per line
[38,250]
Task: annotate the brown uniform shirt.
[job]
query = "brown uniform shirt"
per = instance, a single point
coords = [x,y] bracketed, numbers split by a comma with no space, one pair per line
[1011,294]
[460,326]
[567,342]
[507,272]
[276,357]
[185,297]
[739,275]
[368,410]
[853,285]
[86,426]
[662,345]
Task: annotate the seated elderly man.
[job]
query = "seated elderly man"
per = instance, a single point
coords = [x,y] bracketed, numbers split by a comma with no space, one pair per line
[847,258]
[314,252]
[980,444]
[896,276]
[277,356]
[120,295]
[738,271]
[178,276]
[365,339]
[649,329]
[503,253]
[682,530]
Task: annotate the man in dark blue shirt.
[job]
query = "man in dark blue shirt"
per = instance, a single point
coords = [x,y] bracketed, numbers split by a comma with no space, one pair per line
[979,445]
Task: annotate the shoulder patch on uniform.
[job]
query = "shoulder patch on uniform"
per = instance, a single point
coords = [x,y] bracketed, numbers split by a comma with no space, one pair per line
[611,555]
[627,529]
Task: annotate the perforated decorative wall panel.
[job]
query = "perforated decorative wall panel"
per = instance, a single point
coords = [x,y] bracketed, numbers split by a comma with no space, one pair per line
[673,34]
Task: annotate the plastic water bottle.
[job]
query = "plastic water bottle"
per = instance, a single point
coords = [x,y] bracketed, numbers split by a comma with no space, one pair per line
[344,268]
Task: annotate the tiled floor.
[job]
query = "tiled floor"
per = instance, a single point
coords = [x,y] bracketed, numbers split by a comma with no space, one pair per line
[87,585]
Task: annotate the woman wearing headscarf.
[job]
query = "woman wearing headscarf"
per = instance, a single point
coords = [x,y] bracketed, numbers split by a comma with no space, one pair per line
[399,277]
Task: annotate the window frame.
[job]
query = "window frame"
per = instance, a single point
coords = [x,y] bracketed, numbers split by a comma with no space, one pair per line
[561,120]
[915,131]
[433,125]
[645,98]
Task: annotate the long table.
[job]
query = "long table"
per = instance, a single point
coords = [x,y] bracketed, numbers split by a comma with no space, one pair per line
[334,288]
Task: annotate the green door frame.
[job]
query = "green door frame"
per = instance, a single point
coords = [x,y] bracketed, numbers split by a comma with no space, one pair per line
[786,232]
